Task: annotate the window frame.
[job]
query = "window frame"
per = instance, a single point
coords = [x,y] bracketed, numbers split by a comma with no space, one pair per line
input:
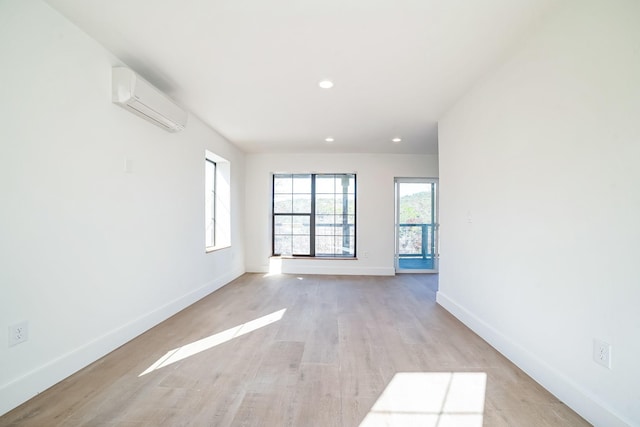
[221,203]
[210,238]
[312,215]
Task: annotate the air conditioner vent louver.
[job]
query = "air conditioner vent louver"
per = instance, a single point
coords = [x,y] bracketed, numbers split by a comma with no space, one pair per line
[138,96]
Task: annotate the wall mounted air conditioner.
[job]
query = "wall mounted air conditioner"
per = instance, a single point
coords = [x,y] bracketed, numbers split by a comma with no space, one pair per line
[135,94]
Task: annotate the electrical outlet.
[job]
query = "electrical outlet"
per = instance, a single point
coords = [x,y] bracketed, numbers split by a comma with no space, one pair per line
[602,353]
[18,333]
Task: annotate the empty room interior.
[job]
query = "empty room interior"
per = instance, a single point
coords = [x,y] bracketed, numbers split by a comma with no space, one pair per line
[303,213]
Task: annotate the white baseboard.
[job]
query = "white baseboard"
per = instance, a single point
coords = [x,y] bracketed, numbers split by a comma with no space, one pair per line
[321,266]
[578,399]
[258,269]
[337,270]
[362,271]
[29,385]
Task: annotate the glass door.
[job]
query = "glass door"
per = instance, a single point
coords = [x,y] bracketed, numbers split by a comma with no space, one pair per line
[416,225]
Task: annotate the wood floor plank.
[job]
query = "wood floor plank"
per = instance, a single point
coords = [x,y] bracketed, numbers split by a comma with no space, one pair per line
[317,399]
[291,350]
[278,368]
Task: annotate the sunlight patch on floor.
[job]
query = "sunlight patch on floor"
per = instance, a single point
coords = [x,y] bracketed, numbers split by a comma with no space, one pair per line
[209,342]
[430,399]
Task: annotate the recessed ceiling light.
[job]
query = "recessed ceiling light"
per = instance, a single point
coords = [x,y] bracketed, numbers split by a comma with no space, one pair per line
[329,140]
[326,84]
[396,140]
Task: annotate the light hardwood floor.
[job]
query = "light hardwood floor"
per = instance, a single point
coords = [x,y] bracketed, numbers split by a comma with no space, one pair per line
[324,363]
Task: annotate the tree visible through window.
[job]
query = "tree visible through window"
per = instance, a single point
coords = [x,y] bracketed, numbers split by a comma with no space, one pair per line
[314,215]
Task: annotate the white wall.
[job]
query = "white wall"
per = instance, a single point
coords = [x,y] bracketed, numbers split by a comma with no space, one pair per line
[92,256]
[543,157]
[374,203]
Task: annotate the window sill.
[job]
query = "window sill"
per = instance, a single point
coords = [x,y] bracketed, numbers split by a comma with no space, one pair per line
[215,248]
[316,258]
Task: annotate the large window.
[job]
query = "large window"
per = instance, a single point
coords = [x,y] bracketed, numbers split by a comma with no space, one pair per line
[314,215]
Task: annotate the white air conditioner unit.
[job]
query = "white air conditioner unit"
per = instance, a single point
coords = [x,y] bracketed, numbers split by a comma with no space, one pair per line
[135,94]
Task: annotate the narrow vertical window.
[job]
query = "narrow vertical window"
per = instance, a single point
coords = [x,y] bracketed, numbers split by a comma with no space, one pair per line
[210,202]
[217,202]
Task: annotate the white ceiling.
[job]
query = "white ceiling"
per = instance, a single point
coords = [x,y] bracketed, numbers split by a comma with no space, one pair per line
[250,68]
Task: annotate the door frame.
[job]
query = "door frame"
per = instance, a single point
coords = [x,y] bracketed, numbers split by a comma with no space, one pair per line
[435,218]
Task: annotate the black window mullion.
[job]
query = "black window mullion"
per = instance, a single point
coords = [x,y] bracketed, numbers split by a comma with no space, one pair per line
[273,215]
[312,220]
[355,211]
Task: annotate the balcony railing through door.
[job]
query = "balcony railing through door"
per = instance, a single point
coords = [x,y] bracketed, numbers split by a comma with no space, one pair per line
[416,246]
